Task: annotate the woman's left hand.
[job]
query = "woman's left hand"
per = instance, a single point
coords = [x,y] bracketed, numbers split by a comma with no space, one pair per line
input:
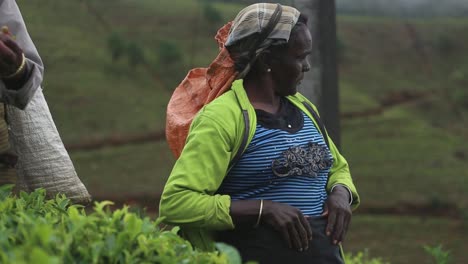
[339,213]
[11,55]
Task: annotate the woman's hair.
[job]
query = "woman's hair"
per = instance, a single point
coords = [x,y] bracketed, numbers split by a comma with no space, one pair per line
[301,21]
[241,52]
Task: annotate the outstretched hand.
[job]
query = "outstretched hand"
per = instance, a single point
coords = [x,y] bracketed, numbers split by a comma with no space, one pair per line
[289,222]
[11,55]
[339,214]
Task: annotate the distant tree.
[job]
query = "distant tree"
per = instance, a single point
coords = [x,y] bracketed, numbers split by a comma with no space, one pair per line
[211,14]
[116,45]
[135,54]
[340,49]
[444,44]
[169,52]
[170,63]
[458,92]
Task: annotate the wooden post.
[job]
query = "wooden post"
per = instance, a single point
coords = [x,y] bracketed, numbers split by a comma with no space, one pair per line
[320,85]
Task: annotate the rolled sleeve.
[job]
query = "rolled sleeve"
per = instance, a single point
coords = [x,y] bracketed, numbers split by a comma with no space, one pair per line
[340,175]
[21,97]
[10,16]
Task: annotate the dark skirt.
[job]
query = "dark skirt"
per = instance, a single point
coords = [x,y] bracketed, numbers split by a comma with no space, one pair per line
[266,246]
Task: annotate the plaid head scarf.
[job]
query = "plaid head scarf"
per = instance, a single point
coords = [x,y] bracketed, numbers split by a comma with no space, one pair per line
[256,28]
[251,32]
[254,18]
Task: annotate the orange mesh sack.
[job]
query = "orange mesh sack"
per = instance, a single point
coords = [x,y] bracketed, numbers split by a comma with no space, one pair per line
[200,86]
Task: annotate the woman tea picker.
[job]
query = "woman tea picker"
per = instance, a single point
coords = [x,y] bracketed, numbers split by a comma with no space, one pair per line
[257,169]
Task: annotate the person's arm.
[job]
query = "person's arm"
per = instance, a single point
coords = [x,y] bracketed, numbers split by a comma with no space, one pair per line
[189,197]
[340,175]
[18,79]
[341,191]
[342,194]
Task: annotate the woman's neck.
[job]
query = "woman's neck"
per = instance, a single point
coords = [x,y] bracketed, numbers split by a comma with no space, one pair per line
[261,94]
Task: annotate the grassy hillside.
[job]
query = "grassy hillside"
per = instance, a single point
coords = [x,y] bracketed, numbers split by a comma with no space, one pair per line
[414,147]
[400,239]
[408,153]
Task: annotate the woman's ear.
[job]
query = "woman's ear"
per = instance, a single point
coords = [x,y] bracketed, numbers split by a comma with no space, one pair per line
[264,62]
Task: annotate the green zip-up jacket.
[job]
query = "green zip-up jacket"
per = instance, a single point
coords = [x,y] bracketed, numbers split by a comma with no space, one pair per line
[215,136]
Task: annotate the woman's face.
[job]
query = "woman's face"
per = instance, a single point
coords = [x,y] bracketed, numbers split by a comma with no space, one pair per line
[289,64]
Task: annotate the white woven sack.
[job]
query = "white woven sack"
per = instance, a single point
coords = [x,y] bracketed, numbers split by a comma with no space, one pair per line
[43,161]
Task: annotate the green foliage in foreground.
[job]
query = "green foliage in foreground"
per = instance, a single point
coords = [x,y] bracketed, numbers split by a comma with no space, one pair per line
[36,230]
[362,258]
[439,255]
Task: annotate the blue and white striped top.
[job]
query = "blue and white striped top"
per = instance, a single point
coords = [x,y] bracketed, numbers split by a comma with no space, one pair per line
[280,166]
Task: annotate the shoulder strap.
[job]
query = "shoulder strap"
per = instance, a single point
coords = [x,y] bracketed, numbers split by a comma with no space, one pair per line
[274,19]
[319,122]
[245,138]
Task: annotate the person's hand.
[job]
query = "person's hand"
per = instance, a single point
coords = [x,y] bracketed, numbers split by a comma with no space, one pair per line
[11,55]
[289,222]
[339,213]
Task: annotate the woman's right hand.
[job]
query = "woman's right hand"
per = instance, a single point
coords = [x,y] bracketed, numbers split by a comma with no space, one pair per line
[289,222]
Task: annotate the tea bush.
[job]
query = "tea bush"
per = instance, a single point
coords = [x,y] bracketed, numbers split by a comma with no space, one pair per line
[362,258]
[34,229]
[439,255]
